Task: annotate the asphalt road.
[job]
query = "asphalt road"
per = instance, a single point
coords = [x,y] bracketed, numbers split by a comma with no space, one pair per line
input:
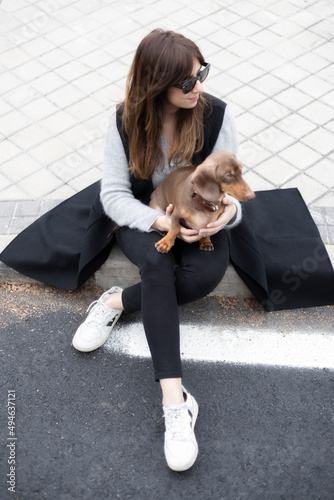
[90,426]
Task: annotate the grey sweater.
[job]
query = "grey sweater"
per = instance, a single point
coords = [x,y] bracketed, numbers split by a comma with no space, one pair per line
[117,198]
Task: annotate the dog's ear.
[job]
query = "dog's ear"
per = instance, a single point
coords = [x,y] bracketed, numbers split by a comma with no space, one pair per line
[205,172]
[204,179]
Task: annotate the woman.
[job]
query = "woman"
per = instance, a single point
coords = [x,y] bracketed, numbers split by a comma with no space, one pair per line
[164,122]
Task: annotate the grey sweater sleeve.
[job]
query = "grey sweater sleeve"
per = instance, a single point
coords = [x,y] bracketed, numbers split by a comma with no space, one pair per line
[228,141]
[116,194]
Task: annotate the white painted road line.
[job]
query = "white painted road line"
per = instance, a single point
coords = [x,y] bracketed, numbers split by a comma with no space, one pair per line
[243,346]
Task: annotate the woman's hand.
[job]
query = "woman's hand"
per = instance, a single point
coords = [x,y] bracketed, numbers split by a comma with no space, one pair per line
[163,224]
[228,214]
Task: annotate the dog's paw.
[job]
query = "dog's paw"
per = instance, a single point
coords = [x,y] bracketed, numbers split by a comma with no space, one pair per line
[207,246]
[162,247]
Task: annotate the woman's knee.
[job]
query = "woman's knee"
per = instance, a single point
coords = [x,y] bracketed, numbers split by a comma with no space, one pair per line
[207,281]
[157,265]
[195,282]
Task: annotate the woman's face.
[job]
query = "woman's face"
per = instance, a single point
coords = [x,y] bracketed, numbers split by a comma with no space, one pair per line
[176,99]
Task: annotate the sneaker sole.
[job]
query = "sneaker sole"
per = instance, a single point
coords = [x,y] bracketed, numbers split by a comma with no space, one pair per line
[96,346]
[192,460]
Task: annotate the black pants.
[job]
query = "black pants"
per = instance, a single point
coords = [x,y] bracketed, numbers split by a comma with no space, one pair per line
[164,286]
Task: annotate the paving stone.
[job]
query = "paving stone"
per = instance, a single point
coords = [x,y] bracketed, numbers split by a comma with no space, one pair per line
[293,98]
[266,39]
[7,208]
[286,28]
[326,200]
[58,122]
[7,151]
[20,167]
[320,140]
[305,18]
[4,224]
[257,182]
[246,72]
[27,208]
[317,112]
[70,166]
[273,139]
[14,57]
[61,193]
[248,124]
[270,111]
[324,234]
[66,96]
[328,98]
[311,190]
[48,83]
[56,58]
[314,86]
[323,171]
[300,155]
[38,46]
[46,205]
[327,74]
[246,97]
[82,181]
[20,223]
[30,136]
[40,183]
[296,125]
[308,40]
[330,126]
[4,182]
[288,50]
[39,109]
[330,235]
[319,215]
[326,50]
[5,107]
[329,214]
[50,150]
[13,122]
[30,70]
[276,171]
[290,73]
[14,192]
[9,81]
[5,239]
[269,85]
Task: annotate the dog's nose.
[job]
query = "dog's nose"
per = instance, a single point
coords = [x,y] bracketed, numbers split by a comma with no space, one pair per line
[250,196]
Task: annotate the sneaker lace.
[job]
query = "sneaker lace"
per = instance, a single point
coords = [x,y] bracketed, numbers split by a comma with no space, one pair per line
[178,423]
[97,315]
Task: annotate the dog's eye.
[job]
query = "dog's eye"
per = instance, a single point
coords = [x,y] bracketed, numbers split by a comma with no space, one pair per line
[228,175]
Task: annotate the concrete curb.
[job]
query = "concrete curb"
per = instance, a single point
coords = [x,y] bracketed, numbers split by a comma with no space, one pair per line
[118,270]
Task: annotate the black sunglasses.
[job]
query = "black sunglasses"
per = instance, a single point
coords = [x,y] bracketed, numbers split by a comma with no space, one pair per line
[190,84]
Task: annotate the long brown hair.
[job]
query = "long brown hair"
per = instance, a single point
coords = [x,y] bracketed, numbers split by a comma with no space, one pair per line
[163,58]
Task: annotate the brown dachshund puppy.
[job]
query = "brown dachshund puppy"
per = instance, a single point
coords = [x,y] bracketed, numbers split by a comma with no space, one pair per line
[196,194]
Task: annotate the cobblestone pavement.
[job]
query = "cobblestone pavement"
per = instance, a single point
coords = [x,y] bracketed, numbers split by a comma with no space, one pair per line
[64,65]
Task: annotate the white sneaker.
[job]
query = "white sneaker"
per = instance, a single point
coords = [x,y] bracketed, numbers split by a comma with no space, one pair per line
[181,447]
[96,328]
